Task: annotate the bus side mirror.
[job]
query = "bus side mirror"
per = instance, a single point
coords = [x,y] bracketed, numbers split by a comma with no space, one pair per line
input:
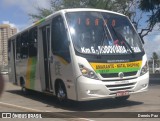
[142,40]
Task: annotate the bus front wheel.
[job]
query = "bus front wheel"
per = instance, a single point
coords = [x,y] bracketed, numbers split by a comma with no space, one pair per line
[61,92]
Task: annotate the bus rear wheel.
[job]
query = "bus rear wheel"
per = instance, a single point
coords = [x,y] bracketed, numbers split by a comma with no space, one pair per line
[122,98]
[61,92]
[157,72]
[25,91]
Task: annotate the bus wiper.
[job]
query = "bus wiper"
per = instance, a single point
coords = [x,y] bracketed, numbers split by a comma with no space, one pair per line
[102,41]
[104,36]
[123,40]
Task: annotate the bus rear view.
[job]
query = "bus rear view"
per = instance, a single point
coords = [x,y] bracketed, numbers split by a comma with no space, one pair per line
[110,60]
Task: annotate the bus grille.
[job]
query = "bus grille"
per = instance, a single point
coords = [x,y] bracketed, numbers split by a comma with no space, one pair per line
[120,87]
[116,74]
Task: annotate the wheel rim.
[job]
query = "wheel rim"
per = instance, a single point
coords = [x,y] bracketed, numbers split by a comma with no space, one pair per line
[23,89]
[61,93]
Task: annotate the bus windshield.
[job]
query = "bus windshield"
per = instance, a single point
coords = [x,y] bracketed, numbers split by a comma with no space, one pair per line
[103,33]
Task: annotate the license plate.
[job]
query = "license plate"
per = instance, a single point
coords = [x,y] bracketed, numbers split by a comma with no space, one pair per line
[122,93]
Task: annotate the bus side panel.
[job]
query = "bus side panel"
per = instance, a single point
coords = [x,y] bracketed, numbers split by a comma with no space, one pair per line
[28,69]
[62,70]
[37,85]
[32,68]
[27,64]
[32,74]
[21,69]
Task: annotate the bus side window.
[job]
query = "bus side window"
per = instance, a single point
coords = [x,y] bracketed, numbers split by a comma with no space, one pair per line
[60,39]
[32,42]
[9,49]
[18,47]
[24,45]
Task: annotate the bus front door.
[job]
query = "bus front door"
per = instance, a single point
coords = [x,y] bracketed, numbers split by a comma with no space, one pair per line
[46,36]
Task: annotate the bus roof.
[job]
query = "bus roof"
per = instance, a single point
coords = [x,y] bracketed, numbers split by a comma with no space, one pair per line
[89,9]
[64,11]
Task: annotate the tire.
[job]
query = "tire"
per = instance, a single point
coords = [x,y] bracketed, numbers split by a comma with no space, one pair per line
[26,91]
[157,72]
[61,93]
[122,98]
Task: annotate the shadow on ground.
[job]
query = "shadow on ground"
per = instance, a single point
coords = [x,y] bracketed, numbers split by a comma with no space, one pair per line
[95,105]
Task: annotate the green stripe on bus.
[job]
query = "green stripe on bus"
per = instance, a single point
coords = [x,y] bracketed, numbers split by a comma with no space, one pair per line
[40,21]
[33,73]
[117,70]
[28,73]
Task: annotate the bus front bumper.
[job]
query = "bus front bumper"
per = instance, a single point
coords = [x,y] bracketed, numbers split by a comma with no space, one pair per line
[91,89]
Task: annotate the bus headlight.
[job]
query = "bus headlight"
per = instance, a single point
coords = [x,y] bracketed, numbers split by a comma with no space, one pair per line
[87,72]
[144,69]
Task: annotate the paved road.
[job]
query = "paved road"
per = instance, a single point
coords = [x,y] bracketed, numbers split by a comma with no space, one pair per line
[14,100]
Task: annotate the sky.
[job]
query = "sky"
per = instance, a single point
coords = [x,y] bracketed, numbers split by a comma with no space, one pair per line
[15,13]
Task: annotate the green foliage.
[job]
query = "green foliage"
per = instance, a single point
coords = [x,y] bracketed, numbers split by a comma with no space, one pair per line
[75,3]
[155,56]
[42,12]
[122,6]
[149,5]
[152,7]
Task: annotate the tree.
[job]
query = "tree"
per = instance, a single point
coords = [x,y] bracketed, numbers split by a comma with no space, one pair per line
[42,12]
[152,7]
[155,56]
[122,6]
[155,61]
[127,7]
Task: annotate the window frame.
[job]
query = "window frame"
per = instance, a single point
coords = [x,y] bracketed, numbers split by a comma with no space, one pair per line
[60,47]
